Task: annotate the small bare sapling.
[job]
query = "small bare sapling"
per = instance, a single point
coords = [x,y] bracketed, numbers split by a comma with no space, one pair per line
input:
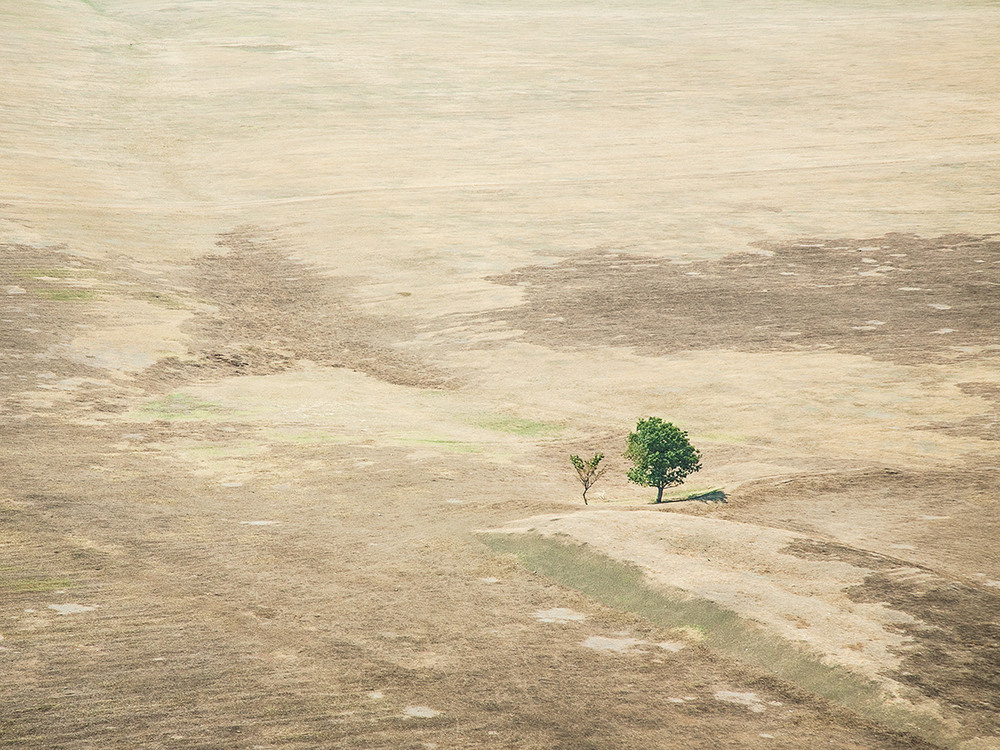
[588,471]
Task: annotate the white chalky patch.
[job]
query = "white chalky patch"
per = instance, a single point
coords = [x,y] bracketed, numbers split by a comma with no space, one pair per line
[910,289]
[875,322]
[420,712]
[15,290]
[490,580]
[675,700]
[71,609]
[258,523]
[231,484]
[868,260]
[944,330]
[376,695]
[453,501]
[939,306]
[618,645]
[560,614]
[934,518]
[671,646]
[750,700]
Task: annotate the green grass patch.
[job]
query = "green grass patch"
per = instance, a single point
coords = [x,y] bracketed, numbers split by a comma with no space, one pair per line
[517,425]
[37,585]
[178,406]
[68,295]
[455,446]
[306,437]
[623,587]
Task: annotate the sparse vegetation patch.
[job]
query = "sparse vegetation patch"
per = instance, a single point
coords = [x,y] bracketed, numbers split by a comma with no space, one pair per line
[181,406]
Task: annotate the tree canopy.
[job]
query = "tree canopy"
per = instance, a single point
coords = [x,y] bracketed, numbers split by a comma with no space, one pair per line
[661,455]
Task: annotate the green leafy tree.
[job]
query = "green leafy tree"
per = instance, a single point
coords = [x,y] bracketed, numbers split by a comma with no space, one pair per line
[588,471]
[661,455]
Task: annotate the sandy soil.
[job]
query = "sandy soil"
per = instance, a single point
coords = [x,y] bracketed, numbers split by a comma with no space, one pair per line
[296,297]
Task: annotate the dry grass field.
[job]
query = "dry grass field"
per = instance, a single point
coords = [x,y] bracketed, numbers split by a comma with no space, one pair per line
[305,304]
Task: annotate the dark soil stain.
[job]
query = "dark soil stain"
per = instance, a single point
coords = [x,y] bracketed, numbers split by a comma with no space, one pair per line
[936,511]
[269,313]
[814,549]
[954,655]
[944,485]
[983,426]
[900,298]
[273,312]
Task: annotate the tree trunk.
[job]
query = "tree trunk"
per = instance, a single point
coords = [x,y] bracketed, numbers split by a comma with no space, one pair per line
[659,494]
[585,496]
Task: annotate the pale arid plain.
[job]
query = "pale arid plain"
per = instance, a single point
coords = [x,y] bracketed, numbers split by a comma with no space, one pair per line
[305,304]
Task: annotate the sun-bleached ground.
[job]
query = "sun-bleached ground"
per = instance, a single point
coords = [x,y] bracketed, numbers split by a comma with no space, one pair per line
[297,296]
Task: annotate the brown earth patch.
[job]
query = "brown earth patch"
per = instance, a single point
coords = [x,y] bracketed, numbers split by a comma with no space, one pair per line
[254,311]
[983,426]
[899,298]
[272,312]
[814,549]
[926,518]
[954,656]
[923,534]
